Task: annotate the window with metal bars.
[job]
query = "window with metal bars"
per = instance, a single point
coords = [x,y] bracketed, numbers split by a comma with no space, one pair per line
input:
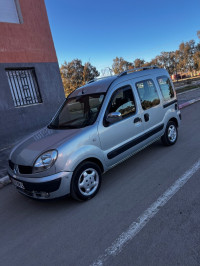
[24,87]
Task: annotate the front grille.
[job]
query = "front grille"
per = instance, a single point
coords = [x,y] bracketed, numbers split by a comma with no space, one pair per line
[26,170]
[23,169]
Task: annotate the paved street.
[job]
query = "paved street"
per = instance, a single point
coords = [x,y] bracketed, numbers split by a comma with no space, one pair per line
[65,232]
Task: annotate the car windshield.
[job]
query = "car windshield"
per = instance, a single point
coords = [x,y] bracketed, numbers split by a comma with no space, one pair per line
[77,112]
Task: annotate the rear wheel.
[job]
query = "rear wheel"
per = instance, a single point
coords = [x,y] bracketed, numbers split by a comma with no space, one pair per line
[86,181]
[171,134]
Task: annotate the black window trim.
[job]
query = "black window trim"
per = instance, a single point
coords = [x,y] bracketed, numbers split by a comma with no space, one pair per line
[155,89]
[105,123]
[169,103]
[164,99]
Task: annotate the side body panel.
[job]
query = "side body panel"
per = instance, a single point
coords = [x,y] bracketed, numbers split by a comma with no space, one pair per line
[116,139]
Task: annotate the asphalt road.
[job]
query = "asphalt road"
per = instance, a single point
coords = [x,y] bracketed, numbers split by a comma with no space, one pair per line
[65,232]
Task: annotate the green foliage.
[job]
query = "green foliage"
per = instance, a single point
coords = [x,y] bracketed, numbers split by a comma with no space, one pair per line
[74,74]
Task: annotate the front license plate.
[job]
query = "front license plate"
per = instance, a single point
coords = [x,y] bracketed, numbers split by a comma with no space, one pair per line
[18,184]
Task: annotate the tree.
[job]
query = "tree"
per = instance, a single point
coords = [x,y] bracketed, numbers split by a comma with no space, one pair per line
[89,72]
[154,62]
[186,59]
[106,71]
[164,60]
[198,44]
[198,34]
[196,58]
[75,75]
[139,63]
[119,65]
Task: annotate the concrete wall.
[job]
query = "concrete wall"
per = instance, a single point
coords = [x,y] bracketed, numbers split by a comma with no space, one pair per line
[16,122]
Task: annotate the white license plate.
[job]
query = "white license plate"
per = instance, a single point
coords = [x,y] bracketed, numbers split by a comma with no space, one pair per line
[18,184]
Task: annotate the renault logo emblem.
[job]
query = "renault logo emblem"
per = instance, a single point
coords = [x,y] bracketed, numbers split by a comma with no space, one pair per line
[15,169]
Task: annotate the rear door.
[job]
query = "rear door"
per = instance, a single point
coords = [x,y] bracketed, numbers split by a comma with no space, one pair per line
[167,90]
[152,108]
[118,140]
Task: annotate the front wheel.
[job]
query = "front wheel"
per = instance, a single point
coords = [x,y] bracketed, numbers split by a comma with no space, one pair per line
[86,181]
[171,134]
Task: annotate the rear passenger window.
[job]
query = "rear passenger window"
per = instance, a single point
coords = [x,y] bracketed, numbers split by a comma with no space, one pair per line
[166,87]
[123,102]
[147,93]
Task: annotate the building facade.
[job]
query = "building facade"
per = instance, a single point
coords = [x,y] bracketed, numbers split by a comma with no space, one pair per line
[31,89]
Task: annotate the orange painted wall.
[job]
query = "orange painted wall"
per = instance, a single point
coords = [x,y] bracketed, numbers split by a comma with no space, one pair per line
[28,42]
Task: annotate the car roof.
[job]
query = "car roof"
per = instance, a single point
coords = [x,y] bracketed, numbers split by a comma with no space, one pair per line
[102,85]
[96,86]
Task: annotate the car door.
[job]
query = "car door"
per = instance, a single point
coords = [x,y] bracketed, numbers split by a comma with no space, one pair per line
[118,140]
[152,108]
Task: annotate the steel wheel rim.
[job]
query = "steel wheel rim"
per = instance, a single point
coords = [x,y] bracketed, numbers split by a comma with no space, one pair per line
[172,133]
[88,182]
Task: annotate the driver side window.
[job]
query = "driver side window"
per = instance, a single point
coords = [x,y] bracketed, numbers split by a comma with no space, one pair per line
[123,101]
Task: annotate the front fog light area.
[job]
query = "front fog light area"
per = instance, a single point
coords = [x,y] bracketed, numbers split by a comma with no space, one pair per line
[45,161]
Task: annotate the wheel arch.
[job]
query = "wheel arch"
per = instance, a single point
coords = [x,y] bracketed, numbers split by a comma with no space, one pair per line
[94,160]
[173,119]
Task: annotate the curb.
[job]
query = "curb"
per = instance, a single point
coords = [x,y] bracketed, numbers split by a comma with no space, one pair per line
[183,105]
[5,180]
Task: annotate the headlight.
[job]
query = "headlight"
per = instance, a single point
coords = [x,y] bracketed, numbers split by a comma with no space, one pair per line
[45,161]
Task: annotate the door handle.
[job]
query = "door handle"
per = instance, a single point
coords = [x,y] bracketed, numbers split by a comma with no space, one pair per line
[146,117]
[137,119]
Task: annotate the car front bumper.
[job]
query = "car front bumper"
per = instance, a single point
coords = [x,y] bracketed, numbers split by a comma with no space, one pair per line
[48,187]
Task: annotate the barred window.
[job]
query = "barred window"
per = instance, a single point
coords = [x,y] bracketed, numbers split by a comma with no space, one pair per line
[24,87]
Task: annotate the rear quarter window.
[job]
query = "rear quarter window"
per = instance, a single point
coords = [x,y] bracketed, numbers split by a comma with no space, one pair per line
[166,87]
[147,93]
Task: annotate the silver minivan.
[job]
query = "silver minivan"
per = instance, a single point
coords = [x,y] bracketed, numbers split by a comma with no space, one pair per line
[98,126]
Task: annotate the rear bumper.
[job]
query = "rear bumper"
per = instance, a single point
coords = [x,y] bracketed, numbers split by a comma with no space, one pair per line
[47,187]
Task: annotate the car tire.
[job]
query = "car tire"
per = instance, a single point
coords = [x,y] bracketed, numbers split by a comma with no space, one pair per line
[86,181]
[171,134]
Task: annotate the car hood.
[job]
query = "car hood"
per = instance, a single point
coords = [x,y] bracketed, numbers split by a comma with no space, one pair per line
[26,152]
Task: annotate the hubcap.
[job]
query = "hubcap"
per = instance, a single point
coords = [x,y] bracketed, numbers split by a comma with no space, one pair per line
[172,134]
[88,182]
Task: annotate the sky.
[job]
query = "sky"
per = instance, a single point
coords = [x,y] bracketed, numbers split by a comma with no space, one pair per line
[98,31]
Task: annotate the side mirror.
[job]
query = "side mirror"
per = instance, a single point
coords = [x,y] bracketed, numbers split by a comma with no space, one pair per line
[114,117]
